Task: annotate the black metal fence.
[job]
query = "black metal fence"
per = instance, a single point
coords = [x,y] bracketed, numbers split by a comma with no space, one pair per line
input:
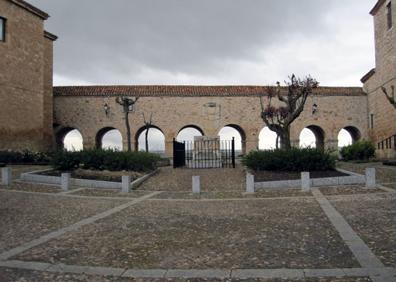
[204,154]
[387,143]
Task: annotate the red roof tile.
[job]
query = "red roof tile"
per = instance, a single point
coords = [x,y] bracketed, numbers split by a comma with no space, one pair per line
[189,91]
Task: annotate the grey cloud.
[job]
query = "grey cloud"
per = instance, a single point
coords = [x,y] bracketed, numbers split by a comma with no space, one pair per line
[112,41]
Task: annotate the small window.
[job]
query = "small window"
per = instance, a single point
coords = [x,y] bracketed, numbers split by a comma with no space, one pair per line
[372,121]
[389,14]
[2,29]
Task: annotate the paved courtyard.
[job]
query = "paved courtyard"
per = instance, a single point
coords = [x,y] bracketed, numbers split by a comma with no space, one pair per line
[329,234]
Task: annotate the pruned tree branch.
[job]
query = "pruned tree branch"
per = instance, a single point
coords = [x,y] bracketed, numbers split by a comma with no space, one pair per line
[390,97]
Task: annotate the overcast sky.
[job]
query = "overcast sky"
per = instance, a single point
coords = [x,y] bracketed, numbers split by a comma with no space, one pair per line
[210,41]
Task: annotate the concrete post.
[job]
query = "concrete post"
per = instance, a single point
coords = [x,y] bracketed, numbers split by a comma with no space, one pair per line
[126,184]
[370,178]
[6,176]
[250,183]
[196,185]
[305,181]
[65,181]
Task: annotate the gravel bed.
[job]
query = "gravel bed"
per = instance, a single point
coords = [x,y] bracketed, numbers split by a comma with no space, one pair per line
[32,187]
[91,192]
[25,217]
[11,275]
[262,176]
[18,169]
[373,217]
[348,190]
[385,174]
[199,235]
[170,179]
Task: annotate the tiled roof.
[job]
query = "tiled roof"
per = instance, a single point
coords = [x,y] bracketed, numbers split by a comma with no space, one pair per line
[50,36]
[189,91]
[29,7]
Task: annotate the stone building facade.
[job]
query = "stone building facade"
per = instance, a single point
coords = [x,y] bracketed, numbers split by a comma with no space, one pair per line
[26,110]
[207,108]
[35,115]
[382,115]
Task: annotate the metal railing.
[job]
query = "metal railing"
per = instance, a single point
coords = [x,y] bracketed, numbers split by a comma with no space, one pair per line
[387,143]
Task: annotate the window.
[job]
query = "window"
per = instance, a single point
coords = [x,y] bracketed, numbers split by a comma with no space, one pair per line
[2,28]
[389,14]
[372,121]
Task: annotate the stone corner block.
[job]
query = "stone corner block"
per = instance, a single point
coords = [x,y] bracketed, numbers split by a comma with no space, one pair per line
[196,185]
[65,181]
[370,178]
[6,176]
[305,181]
[250,183]
[126,184]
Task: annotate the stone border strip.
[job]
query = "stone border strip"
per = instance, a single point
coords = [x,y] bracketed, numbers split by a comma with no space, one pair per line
[360,250]
[33,177]
[45,238]
[385,273]
[352,179]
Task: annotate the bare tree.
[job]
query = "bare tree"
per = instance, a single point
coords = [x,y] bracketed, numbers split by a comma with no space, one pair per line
[147,125]
[390,97]
[279,119]
[127,104]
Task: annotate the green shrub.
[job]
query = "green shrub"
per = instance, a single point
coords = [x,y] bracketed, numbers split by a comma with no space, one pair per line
[359,151]
[295,159]
[24,157]
[97,159]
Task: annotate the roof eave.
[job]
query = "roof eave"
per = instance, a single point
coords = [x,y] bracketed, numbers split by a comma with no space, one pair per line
[50,36]
[367,76]
[30,8]
[377,7]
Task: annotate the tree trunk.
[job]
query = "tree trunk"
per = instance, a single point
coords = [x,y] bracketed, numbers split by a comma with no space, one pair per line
[285,139]
[128,127]
[147,133]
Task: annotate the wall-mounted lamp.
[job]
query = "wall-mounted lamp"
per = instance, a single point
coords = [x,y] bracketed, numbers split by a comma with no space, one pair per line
[106,108]
[314,108]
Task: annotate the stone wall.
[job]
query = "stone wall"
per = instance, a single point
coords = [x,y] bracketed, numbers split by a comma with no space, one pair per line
[24,75]
[171,114]
[383,112]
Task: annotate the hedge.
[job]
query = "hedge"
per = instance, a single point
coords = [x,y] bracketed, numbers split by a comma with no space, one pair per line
[359,151]
[97,159]
[295,160]
[24,157]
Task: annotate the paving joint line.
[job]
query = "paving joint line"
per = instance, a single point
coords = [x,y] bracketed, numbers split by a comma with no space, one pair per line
[57,233]
[207,273]
[363,254]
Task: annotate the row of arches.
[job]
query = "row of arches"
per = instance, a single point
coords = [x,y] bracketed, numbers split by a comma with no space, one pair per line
[111,138]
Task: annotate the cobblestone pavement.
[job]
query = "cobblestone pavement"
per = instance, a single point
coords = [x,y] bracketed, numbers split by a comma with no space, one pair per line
[177,235]
[385,174]
[373,217]
[24,217]
[169,179]
[270,234]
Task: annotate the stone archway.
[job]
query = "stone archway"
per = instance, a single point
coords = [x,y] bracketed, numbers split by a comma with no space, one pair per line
[318,133]
[194,129]
[156,139]
[102,143]
[238,133]
[71,133]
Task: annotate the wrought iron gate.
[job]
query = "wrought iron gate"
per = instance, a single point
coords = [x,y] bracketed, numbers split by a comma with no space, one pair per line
[204,154]
[179,154]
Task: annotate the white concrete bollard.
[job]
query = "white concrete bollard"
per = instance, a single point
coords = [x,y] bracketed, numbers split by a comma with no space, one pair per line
[250,183]
[370,178]
[196,185]
[6,176]
[305,181]
[126,184]
[65,181]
